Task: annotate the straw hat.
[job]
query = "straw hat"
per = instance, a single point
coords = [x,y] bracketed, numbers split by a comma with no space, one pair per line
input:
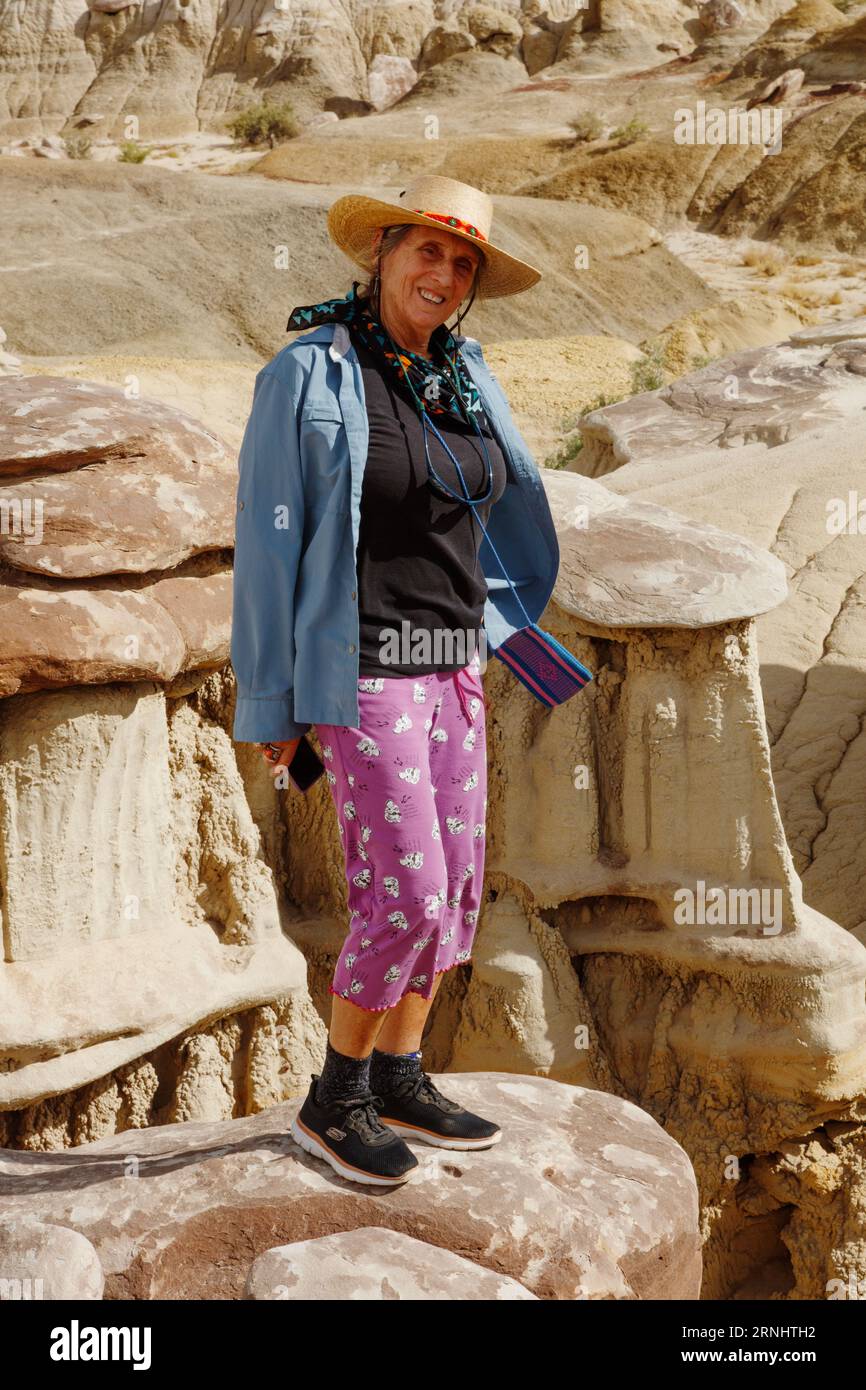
[433,201]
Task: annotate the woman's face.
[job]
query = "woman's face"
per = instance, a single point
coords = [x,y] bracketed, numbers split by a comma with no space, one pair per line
[425,279]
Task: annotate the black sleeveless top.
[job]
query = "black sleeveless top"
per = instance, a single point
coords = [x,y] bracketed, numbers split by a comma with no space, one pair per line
[417,557]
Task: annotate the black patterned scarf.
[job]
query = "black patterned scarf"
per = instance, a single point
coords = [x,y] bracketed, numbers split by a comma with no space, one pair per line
[432,378]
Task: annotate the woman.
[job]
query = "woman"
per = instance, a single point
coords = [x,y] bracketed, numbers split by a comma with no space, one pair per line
[365,464]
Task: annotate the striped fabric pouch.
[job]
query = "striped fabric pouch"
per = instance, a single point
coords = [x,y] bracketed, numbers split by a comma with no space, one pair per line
[543,664]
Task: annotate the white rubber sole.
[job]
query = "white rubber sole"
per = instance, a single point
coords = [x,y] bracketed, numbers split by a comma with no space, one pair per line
[439,1141]
[313,1145]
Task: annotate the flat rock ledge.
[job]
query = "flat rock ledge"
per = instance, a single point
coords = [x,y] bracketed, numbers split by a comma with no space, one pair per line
[585,1197]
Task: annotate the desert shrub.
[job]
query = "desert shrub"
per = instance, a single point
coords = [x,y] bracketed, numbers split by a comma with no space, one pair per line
[572,446]
[648,374]
[808,297]
[633,130]
[766,259]
[586,127]
[133,153]
[78,147]
[264,123]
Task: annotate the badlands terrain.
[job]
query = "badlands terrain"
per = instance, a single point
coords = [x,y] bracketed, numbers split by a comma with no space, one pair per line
[690,178]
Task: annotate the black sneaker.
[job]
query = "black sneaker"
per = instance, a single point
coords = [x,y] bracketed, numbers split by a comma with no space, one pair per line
[349,1135]
[419,1110]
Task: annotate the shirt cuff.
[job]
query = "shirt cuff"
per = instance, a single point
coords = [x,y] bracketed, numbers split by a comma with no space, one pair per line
[266,720]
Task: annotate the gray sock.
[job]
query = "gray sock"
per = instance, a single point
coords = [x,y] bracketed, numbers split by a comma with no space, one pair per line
[388,1069]
[342,1077]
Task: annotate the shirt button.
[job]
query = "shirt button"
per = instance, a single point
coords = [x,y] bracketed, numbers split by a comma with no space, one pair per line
[354,593]
[351,646]
[240,506]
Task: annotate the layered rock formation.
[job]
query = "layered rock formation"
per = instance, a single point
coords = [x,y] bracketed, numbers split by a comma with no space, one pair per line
[772,443]
[138,915]
[177,66]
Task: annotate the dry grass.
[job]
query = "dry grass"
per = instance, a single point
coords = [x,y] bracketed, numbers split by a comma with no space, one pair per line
[809,298]
[767,260]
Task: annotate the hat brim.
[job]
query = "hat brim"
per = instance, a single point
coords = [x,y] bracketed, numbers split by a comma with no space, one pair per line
[353,218]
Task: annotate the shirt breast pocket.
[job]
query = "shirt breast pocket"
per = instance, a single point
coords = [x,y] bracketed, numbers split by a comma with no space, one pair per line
[324,453]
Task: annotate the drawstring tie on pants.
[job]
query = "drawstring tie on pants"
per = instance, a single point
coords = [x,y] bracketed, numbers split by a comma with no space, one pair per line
[469,690]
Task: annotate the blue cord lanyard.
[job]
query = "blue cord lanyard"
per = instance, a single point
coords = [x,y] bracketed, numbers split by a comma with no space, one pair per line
[472,502]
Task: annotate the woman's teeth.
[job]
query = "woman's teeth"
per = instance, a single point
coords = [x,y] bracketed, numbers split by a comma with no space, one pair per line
[432,298]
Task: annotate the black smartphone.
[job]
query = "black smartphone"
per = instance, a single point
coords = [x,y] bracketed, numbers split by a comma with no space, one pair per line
[306,766]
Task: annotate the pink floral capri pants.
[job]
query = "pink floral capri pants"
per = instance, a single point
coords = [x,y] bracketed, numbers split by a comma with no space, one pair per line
[410,790]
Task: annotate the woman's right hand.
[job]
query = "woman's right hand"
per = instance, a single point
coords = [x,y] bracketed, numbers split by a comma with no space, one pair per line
[277,761]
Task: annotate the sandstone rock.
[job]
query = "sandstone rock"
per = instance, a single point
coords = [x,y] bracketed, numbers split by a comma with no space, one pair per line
[41,1260]
[811,196]
[724,444]
[163,492]
[179,68]
[615,35]
[443,42]
[838,55]
[374,1263]
[640,566]
[779,89]
[493,28]
[390,79]
[789,40]
[588,1199]
[766,395]
[538,49]
[10,365]
[136,499]
[717,15]
[52,434]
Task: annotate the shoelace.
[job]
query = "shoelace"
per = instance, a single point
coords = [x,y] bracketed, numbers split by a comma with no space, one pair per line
[362,1111]
[420,1087]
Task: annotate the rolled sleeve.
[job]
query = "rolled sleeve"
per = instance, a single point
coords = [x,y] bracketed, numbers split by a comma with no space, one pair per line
[269,527]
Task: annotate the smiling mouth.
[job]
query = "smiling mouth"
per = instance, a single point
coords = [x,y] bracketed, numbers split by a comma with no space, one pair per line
[435,301]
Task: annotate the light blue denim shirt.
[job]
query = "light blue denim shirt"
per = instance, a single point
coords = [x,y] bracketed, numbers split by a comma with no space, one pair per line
[295,627]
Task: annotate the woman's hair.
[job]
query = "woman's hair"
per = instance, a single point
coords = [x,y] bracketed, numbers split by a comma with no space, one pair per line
[391,237]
